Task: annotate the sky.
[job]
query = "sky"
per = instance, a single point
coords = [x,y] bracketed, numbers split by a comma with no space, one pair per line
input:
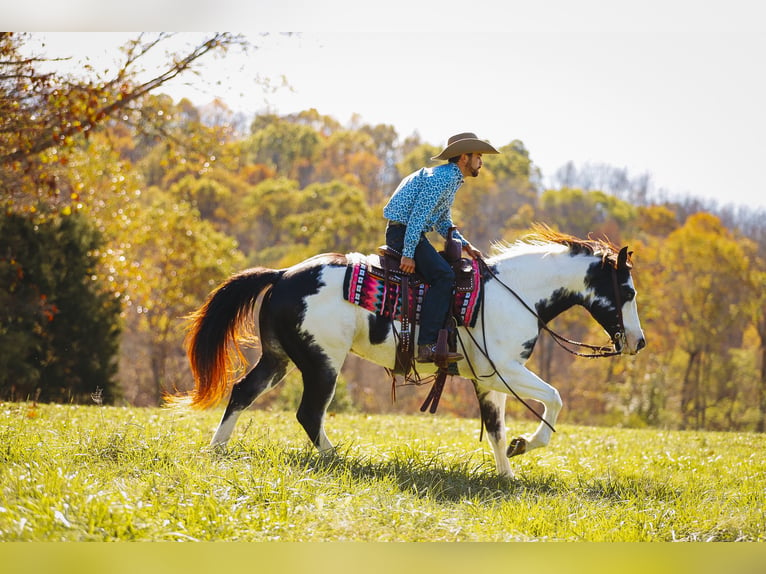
[673,89]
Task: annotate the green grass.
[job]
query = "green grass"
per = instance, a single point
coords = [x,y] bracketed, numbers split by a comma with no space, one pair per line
[70,473]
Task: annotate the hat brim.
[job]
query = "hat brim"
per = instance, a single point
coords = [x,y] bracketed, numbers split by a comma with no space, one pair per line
[468,145]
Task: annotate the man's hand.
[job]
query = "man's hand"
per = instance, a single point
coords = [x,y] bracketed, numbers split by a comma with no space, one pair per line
[472,251]
[407,265]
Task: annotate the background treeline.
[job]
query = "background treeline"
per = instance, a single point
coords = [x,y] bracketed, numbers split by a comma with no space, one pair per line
[122,209]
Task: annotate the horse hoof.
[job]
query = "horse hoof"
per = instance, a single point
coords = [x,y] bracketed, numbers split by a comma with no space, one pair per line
[518,446]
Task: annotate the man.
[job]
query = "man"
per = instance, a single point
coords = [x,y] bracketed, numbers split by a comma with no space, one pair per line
[421,203]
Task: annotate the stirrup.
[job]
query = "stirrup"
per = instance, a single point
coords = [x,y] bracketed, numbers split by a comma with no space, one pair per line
[427,354]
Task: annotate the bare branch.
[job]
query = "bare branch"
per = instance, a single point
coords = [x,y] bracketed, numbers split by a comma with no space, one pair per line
[118,93]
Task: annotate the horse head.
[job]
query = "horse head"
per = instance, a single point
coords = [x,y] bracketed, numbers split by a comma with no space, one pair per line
[613,301]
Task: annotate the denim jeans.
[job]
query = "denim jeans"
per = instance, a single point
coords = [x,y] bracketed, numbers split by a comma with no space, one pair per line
[439,276]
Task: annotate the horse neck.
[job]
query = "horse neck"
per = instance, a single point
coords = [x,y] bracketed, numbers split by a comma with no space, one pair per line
[549,281]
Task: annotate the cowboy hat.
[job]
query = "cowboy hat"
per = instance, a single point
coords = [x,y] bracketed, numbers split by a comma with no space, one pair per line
[464,143]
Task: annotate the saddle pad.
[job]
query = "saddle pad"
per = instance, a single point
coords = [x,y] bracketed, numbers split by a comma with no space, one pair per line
[370,292]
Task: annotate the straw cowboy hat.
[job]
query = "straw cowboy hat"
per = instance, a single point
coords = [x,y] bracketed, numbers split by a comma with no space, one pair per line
[464,143]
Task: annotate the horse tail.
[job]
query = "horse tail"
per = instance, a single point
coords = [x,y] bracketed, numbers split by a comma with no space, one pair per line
[216,330]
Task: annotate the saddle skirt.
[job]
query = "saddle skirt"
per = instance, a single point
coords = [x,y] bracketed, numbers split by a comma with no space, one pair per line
[374,282]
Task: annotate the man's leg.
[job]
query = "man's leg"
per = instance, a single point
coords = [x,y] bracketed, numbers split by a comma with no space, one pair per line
[436,302]
[440,277]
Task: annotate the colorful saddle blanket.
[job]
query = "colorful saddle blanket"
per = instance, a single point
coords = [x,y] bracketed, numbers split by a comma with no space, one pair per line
[365,285]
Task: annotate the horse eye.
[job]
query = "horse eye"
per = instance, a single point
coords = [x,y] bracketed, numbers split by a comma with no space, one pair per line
[628,293]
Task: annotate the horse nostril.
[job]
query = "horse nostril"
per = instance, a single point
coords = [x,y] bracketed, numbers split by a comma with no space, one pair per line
[641,344]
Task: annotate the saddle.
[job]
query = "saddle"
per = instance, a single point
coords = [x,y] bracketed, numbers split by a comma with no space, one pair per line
[385,265]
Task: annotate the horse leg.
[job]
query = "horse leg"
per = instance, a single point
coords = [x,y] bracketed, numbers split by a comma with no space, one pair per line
[270,369]
[318,391]
[492,406]
[319,358]
[527,385]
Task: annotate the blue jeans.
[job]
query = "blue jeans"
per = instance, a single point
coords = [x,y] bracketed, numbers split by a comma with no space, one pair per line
[439,276]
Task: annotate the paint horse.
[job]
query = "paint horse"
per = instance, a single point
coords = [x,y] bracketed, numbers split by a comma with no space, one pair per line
[305,321]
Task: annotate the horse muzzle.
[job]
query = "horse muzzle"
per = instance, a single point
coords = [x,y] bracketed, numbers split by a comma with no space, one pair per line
[627,345]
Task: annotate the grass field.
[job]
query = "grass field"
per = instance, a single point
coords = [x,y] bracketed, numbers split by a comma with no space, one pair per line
[70,473]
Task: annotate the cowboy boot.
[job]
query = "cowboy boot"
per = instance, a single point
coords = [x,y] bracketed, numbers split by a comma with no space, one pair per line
[427,354]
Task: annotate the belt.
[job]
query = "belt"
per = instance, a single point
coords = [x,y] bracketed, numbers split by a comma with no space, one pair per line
[396,224]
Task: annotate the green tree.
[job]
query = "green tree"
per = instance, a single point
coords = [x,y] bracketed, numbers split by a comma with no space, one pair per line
[264,237]
[500,197]
[333,217]
[419,156]
[59,327]
[515,173]
[289,148]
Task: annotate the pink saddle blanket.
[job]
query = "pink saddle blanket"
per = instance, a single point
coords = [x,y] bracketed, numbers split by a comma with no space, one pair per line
[367,289]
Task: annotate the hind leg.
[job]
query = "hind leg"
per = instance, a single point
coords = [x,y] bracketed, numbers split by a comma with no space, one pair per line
[269,370]
[319,360]
[319,378]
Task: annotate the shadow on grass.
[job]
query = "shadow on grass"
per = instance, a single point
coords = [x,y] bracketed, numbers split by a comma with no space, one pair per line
[430,478]
[434,476]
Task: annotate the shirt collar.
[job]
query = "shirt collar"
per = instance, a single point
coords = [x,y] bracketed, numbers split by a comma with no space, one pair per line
[458,173]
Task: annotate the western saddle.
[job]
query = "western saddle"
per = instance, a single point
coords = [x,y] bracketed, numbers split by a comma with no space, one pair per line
[385,265]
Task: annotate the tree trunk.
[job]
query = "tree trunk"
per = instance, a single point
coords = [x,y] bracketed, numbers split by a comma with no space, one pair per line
[159,356]
[688,388]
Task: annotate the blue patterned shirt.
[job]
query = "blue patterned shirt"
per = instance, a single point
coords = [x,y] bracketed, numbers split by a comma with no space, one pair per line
[423,202]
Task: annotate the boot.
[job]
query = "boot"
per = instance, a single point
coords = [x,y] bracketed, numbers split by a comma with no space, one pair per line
[427,353]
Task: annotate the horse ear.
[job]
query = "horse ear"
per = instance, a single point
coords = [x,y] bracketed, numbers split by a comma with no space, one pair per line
[622,258]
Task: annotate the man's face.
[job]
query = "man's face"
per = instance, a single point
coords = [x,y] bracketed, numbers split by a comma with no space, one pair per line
[472,163]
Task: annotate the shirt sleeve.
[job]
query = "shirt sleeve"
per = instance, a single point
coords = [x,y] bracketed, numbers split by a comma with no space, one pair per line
[445,222]
[428,197]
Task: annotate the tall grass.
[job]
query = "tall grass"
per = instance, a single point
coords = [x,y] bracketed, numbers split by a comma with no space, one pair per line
[70,473]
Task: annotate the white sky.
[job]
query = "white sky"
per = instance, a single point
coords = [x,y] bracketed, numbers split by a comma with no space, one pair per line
[673,88]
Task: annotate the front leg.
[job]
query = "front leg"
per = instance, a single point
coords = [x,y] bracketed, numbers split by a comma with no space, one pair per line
[492,406]
[527,385]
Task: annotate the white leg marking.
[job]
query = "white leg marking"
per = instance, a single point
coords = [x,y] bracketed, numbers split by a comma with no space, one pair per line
[497,440]
[324,443]
[224,430]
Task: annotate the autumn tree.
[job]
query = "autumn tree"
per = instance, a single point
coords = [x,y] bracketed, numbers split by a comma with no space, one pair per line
[43,116]
[759,314]
[290,149]
[582,213]
[179,258]
[602,177]
[705,273]
[490,204]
